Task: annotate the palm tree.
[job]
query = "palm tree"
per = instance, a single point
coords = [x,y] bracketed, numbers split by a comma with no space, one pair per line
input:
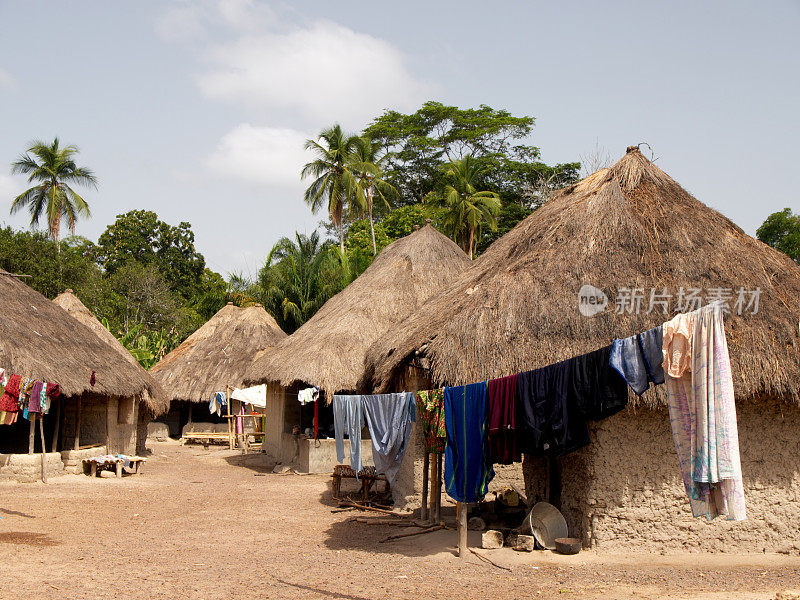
[466,208]
[299,277]
[333,183]
[54,168]
[365,164]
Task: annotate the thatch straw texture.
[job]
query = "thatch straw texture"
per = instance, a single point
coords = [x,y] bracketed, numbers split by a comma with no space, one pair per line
[158,401]
[217,354]
[628,226]
[328,350]
[40,339]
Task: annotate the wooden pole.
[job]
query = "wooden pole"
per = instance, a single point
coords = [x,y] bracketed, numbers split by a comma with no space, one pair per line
[78,425]
[437,490]
[31,431]
[463,550]
[108,427]
[44,448]
[423,512]
[230,421]
[57,425]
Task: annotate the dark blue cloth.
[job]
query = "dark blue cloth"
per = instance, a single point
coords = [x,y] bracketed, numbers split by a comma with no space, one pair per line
[598,390]
[651,344]
[549,421]
[639,359]
[467,467]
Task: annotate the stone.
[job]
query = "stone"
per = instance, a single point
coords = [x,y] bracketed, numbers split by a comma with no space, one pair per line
[492,539]
[476,524]
[158,432]
[525,543]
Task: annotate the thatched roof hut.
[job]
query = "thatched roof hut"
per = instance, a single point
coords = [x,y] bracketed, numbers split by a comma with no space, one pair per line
[328,350]
[627,226]
[158,401]
[39,339]
[217,354]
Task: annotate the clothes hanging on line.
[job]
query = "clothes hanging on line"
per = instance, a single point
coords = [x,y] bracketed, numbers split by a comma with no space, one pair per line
[598,390]
[308,395]
[217,403]
[502,420]
[254,396]
[467,466]
[702,413]
[430,414]
[348,417]
[638,359]
[9,402]
[389,418]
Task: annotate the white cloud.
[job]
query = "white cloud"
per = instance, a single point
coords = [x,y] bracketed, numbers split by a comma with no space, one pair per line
[187,20]
[181,22]
[6,80]
[10,188]
[265,156]
[322,73]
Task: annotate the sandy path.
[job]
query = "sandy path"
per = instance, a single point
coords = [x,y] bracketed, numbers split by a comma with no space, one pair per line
[201,525]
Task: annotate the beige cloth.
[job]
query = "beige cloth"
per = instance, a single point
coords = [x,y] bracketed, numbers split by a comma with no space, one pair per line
[677,345]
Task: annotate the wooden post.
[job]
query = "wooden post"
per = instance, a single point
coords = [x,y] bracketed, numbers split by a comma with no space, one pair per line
[31,431]
[437,490]
[108,427]
[78,425]
[423,512]
[44,449]
[230,421]
[461,509]
[57,425]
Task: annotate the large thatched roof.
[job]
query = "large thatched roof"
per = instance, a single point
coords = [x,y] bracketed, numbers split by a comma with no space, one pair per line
[217,354]
[328,350]
[628,226]
[158,401]
[39,339]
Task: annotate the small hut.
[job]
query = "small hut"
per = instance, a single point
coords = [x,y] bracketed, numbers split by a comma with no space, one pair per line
[213,359]
[328,351]
[629,230]
[150,406]
[95,412]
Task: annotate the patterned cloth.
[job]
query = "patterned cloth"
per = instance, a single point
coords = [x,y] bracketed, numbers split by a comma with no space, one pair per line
[9,402]
[430,410]
[702,413]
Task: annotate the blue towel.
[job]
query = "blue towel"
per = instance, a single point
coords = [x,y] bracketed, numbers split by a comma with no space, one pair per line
[467,467]
[348,417]
[638,359]
[389,418]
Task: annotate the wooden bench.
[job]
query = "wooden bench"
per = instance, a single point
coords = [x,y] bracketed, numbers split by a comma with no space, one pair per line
[115,464]
[205,438]
[367,476]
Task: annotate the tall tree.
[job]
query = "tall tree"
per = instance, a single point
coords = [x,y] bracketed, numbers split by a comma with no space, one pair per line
[781,230]
[365,162]
[467,209]
[53,168]
[333,183]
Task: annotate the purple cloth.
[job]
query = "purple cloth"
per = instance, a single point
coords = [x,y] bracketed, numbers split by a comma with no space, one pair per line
[35,403]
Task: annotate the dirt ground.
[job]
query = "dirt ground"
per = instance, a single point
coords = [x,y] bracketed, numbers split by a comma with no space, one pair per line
[209,524]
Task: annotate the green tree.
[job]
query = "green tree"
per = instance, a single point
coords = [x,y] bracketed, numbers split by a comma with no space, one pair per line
[53,168]
[334,183]
[781,230]
[299,276]
[467,209]
[140,236]
[365,162]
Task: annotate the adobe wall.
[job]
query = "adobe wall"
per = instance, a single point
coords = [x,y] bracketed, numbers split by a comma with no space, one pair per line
[119,415]
[625,491]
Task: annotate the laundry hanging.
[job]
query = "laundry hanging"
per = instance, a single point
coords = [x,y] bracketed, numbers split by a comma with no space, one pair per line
[389,418]
[308,395]
[348,417]
[254,396]
[430,413]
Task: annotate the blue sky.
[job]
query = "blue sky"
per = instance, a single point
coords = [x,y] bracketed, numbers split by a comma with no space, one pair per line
[198,110]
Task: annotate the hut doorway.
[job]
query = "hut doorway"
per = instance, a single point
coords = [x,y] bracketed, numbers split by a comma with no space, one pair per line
[15,438]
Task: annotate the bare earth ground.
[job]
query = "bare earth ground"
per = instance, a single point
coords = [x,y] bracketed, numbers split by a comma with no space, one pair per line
[207,524]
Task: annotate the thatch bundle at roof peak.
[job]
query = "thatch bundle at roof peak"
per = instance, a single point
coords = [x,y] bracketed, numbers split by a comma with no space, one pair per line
[218,353]
[328,350]
[627,227]
[155,399]
[39,339]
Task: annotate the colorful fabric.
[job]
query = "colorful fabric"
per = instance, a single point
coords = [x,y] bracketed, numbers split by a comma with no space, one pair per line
[430,409]
[502,420]
[389,418]
[9,402]
[467,467]
[702,413]
[35,400]
[25,393]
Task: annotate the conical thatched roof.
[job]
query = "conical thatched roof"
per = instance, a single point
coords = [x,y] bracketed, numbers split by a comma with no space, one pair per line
[628,226]
[328,350]
[158,402]
[217,354]
[39,339]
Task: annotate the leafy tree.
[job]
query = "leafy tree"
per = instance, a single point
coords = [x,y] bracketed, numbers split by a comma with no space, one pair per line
[299,276]
[781,230]
[53,168]
[141,236]
[467,209]
[333,183]
[365,162]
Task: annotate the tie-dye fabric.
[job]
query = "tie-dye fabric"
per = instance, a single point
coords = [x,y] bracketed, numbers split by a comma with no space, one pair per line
[703,413]
[430,408]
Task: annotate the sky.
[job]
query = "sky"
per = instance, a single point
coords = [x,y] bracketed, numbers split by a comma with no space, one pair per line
[199,110]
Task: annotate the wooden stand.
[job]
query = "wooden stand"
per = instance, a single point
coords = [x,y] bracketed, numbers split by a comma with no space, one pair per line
[423,513]
[436,490]
[31,432]
[463,550]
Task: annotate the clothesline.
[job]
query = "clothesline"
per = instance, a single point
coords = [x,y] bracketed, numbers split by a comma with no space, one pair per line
[24,395]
